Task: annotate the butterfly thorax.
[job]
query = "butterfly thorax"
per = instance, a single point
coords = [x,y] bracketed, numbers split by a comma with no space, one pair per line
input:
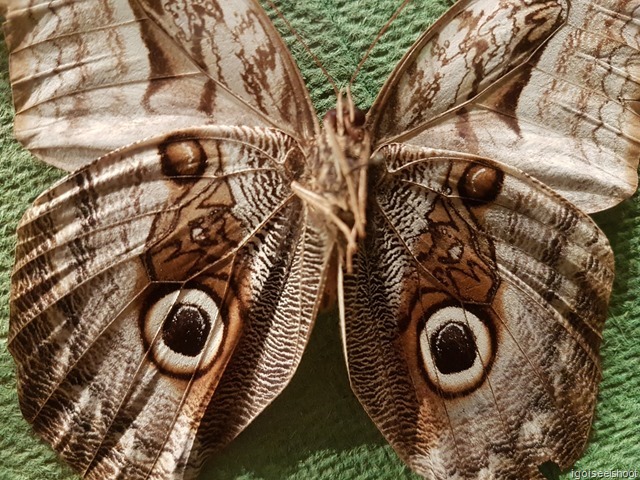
[337,184]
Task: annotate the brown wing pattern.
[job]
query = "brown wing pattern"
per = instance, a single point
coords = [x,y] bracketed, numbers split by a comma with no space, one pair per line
[91,76]
[141,277]
[473,317]
[551,87]
[162,295]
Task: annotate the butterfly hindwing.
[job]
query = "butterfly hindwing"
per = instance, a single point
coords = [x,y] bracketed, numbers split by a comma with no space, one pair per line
[473,317]
[126,314]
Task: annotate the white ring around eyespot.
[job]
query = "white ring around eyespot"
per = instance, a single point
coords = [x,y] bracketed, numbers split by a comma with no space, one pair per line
[170,360]
[458,382]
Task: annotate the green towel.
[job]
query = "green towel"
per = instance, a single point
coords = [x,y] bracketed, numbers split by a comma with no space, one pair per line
[316,429]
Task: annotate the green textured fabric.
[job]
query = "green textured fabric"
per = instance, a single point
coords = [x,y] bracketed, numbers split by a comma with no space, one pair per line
[316,429]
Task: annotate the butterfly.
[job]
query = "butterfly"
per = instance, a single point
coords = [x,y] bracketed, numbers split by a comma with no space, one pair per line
[182,270]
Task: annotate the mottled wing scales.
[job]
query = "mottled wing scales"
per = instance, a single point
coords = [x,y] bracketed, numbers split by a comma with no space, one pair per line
[119,354]
[470,47]
[269,352]
[94,75]
[473,317]
[549,87]
[238,47]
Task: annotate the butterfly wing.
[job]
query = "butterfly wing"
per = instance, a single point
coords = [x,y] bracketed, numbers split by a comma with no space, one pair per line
[550,87]
[473,317]
[164,277]
[95,75]
[169,276]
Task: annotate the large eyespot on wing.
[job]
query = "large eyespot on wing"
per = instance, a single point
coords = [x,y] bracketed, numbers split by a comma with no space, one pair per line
[142,278]
[549,87]
[95,75]
[473,317]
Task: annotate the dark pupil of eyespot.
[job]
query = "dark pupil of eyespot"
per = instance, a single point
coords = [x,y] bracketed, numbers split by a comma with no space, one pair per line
[186,329]
[453,348]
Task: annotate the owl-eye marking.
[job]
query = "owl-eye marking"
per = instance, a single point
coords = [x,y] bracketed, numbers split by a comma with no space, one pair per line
[453,347]
[480,184]
[182,159]
[186,329]
[457,348]
[183,330]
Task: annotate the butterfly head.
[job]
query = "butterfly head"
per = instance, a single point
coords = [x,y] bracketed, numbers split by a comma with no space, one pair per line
[349,124]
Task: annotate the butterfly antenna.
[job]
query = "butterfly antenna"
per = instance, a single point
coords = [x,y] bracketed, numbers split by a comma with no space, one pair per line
[304,45]
[378,37]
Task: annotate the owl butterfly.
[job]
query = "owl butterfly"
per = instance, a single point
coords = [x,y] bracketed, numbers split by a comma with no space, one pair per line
[164,291]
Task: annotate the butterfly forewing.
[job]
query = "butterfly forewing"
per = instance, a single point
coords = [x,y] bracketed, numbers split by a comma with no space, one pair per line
[95,75]
[550,87]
